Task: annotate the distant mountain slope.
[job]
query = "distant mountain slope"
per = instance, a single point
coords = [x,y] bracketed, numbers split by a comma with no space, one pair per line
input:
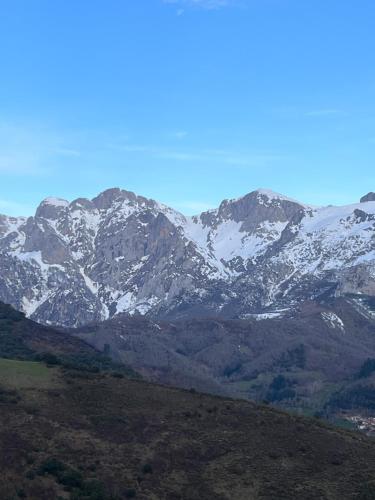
[88,260]
[316,350]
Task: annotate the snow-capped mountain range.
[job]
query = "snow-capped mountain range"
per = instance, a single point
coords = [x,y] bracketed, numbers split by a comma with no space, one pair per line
[259,255]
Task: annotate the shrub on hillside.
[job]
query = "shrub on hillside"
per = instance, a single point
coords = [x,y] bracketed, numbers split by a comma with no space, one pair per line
[51,466]
[367,368]
[280,389]
[361,396]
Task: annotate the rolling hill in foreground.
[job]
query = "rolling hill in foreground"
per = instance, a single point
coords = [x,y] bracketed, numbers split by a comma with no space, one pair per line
[85,430]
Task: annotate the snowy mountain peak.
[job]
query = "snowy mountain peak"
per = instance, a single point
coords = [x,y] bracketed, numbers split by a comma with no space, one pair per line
[257,207]
[264,193]
[56,202]
[273,195]
[90,259]
[50,208]
[107,198]
[368,197]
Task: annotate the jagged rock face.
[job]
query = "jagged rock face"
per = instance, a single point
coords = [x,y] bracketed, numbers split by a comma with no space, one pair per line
[368,197]
[88,260]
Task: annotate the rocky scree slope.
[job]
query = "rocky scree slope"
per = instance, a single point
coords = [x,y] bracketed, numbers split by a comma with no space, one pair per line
[89,260]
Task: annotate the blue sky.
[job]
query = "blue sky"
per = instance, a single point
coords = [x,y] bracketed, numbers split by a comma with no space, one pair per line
[186,101]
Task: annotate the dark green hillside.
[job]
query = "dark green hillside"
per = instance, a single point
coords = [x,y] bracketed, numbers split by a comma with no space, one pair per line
[23,339]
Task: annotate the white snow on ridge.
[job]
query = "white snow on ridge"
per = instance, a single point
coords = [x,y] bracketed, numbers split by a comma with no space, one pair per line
[263,316]
[273,195]
[175,217]
[30,306]
[229,241]
[330,231]
[126,302]
[56,202]
[91,285]
[332,218]
[327,239]
[35,259]
[331,238]
[363,308]
[12,225]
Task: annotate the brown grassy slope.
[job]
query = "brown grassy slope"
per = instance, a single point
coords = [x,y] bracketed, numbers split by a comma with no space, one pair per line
[163,443]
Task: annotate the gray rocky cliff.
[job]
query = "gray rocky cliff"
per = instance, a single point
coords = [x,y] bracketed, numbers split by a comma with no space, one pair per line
[89,260]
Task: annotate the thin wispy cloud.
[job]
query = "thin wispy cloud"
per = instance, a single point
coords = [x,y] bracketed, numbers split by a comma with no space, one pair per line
[131,148]
[30,151]
[67,152]
[20,163]
[179,134]
[205,156]
[224,158]
[294,112]
[325,112]
[199,4]
[180,156]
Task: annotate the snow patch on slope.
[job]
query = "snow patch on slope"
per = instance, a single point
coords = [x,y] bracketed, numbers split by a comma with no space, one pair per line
[333,321]
[331,238]
[56,202]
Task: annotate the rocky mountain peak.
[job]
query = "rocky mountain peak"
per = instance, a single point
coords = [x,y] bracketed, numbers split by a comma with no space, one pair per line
[271,195]
[368,197]
[107,198]
[257,207]
[52,208]
[84,261]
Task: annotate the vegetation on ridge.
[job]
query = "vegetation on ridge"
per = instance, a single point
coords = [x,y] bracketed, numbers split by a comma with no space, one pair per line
[89,435]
